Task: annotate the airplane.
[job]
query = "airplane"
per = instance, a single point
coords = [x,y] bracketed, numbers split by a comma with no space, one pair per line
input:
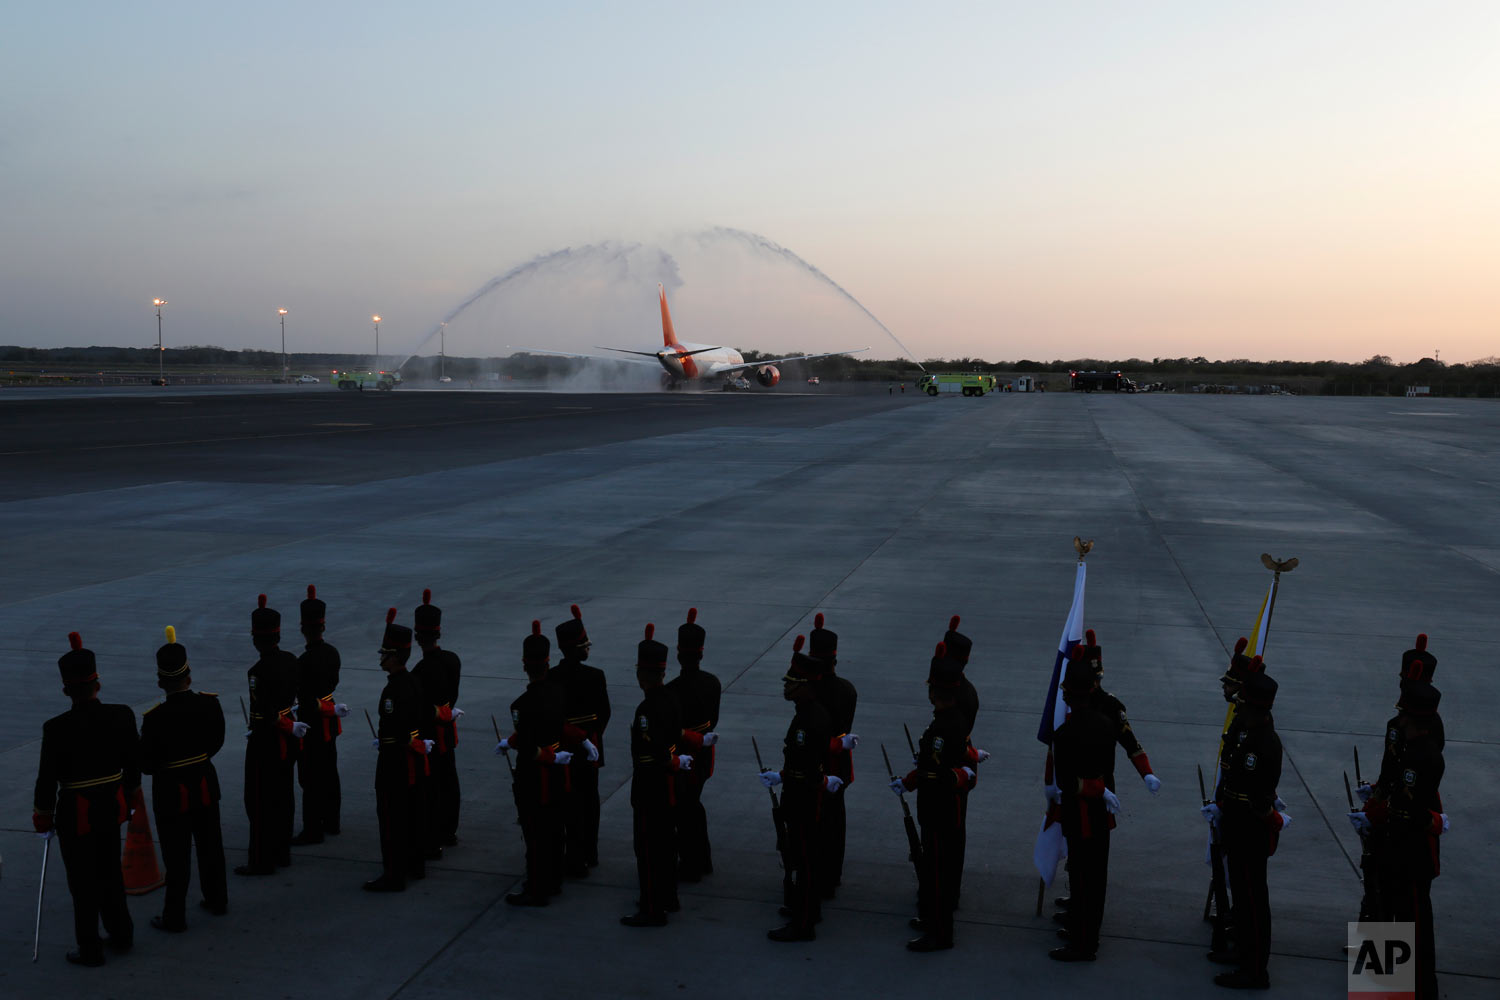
[682,363]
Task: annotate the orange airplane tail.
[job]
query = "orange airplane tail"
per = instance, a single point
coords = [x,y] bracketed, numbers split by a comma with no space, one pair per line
[668,335]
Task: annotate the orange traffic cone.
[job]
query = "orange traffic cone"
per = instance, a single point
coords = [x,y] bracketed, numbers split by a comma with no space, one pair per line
[139,863]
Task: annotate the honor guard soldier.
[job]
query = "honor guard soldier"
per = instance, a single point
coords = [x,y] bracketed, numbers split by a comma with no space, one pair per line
[540,779]
[89,770]
[1403,820]
[838,697]
[400,766]
[271,751]
[1082,748]
[804,756]
[1240,667]
[586,702]
[697,692]
[179,738]
[655,729]
[318,763]
[1114,711]
[958,648]
[943,775]
[1244,808]
[437,673]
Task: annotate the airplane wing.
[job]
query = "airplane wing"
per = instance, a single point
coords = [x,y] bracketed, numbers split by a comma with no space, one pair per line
[719,370]
[588,357]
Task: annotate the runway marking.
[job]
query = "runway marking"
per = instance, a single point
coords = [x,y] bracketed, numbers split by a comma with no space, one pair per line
[336,424]
[1425,413]
[572,407]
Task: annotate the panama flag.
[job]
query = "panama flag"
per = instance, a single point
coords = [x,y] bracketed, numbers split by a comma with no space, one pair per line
[1050,847]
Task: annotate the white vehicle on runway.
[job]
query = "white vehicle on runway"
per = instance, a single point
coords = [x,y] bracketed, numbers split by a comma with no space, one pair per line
[682,363]
[307,378]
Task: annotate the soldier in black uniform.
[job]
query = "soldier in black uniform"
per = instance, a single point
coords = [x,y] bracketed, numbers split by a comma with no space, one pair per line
[838,697]
[438,673]
[1222,951]
[804,756]
[1403,820]
[697,692]
[655,729]
[942,775]
[1081,751]
[401,767]
[957,648]
[318,763]
[179,738]
[541,775]
[88,772]
[271,751]
[1244,808]
[586,702]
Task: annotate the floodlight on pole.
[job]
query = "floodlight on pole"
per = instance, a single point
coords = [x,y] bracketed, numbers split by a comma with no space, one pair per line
[443,351]
[282,313]
[377,341]
[161,377]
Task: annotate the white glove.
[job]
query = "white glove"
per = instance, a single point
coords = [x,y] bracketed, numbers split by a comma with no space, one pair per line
[770,778]
[1359,820]
[563,757]
[849,741]
[47,835]
[299,729]
[1153,783]
[898,786]
[1054,794]
[247,734]
[502,746]
[1444,817]
[968,771]
[1286,820]
[458,713]
[833,783]
[1277,804]
[340,710]
[685,762]
[983,755]
[590,751]
[375,744]
[427,746]
[1211,813]
[710,739]
[1364,790]
[1111,802]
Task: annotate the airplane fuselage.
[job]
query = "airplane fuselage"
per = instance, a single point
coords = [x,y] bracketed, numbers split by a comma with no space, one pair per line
[684,366]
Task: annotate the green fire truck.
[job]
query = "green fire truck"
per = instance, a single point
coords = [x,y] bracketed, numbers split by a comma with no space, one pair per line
[384,381]
[968,383]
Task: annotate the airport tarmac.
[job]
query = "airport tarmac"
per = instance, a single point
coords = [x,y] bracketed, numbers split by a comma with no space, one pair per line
[128,512]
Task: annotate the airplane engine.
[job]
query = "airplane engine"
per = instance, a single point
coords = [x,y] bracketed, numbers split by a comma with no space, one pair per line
[767,375]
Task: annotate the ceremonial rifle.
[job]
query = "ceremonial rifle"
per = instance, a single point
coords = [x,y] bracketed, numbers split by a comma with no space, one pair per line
[776,818]
[40,890]
[913,841]
[1369,903]
[371,725]
[508,765]
[1218,899]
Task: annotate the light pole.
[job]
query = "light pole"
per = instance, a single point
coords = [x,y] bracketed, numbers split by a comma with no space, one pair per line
[377,342]
[283,343]
[161,376]
[443,351]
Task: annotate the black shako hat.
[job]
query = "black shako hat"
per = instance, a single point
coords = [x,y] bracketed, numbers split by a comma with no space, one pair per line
[957,644]
[77,664]
[821,642]
[1079,676]
[1089,652]
[945,674]
[427,619]
[171,659]
[570,633]
[536,649]
[1239,664]
[690,636]
[1258,691]
[313,611]
[1417,663]
[396,636]
[803,667]
[265,623]
[650,654]
[1418,697]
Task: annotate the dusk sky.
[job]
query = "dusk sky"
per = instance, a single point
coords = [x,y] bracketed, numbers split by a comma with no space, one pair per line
[1005,181]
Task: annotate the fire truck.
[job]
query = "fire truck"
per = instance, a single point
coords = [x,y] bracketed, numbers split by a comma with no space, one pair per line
[968,383]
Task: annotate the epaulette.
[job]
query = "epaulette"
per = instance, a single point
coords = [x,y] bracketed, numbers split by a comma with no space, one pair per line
[152,709]
[211,694]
